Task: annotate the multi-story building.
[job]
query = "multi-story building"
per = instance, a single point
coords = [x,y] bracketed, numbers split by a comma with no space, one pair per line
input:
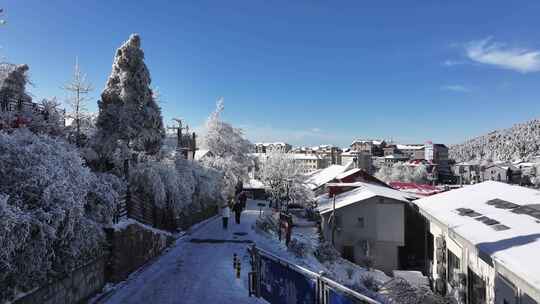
[395,158]
[414,151]
[390,150]
[361,160]
[309,162]
[467,172]
[269,147]
[438,155]
[372,147]
[331,155]
[482,243]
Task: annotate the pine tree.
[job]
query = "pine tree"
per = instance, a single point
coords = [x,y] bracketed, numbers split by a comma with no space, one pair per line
[129,116]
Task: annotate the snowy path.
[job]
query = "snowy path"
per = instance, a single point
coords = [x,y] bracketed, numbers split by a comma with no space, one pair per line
[196,272]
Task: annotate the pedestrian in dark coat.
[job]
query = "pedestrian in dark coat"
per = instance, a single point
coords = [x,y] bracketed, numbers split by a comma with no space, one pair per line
[237,208]
[242,198]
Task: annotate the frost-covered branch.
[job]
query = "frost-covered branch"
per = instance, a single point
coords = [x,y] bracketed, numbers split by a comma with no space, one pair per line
[78,89]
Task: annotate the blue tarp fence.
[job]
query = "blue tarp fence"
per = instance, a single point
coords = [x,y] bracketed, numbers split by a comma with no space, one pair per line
[280,282]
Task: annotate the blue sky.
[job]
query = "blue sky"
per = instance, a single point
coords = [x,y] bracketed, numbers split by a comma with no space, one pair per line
[308,72]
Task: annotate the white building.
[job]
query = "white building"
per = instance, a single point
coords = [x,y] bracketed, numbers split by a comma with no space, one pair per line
[483,243]
[359,159]
[269,147]
[309,162]
[368,225]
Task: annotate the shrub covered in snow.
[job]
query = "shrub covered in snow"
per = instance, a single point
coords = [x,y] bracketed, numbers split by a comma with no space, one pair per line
[298,247]
[52,210]
[401,291]
[182,187]
[267,223]
[326,252]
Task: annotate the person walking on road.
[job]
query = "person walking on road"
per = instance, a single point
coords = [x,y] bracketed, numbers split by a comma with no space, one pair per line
[225,214]
[242,198]
[237,208]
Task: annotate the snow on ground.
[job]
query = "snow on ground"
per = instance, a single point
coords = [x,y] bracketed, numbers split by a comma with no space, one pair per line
[202,271]
[124,223]
[195,272]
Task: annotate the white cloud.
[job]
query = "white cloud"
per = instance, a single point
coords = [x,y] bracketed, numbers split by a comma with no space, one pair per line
[498,54]
[316,130]
[455,88]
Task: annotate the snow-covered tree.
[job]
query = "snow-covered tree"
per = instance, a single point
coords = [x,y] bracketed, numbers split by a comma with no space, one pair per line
[78,89]
[13,81]
[129,116]
[182,188]
[284,178]
[52,210]
[521,141]
[229,147]
[49,119]
[420,174]
[403,173]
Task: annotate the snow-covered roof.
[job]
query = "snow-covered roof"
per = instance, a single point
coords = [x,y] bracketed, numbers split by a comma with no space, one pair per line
[301,156]
[324,176]
[254,184]
[409,147]
[416,189]
[271,144]
[200,153]
[526,165]
[347,173]
[504,166]
[372,141]
[396,156]
[515,248]
[468,163]
[363,192]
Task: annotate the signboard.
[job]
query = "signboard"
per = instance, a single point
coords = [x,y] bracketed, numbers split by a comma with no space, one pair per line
[283,285]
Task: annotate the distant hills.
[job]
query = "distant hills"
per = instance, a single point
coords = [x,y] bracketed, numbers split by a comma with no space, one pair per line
[521,141]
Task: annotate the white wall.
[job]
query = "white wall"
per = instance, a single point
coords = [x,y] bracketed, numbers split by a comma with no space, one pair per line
[390,222]
[383,229]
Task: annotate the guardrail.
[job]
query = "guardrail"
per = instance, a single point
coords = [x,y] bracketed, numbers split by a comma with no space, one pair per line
[279,281]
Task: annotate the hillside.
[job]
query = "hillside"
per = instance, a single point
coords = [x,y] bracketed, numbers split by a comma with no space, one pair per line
[521,141]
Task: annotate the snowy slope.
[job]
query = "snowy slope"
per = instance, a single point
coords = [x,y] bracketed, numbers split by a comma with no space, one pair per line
[521,141]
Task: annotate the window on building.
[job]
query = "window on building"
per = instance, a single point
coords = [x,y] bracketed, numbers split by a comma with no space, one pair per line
[453,269]
[476,288]
[361,222]
[430,247]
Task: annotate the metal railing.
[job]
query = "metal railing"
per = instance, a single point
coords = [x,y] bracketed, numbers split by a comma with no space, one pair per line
[317,288]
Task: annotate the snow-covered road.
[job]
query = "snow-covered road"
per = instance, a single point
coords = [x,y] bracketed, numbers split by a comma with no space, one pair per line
[196,272]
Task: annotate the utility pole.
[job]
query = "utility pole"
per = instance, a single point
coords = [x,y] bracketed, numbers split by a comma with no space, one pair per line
[334,220]
[179,138]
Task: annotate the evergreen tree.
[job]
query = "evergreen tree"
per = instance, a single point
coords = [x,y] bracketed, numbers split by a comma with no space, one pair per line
[129,116]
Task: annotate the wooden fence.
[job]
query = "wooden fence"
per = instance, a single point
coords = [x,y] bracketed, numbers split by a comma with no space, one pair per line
[133,206]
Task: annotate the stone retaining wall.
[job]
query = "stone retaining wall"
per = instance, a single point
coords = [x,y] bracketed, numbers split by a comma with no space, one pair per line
[80,285]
